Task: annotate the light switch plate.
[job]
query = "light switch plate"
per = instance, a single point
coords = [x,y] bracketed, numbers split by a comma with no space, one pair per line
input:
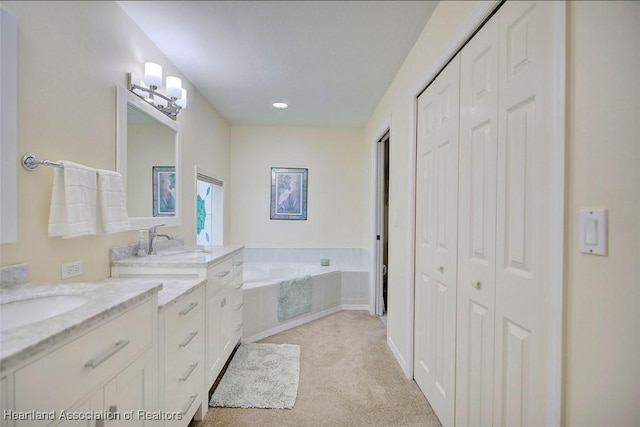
[593,231]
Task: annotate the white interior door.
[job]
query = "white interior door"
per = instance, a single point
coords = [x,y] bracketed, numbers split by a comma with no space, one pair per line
[477,228]
[524,197]
[436,241]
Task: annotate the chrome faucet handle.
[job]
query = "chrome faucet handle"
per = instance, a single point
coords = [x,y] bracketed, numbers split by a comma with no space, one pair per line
[154,228]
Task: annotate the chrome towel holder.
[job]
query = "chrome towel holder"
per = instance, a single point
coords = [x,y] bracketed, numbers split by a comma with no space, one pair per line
[31,163]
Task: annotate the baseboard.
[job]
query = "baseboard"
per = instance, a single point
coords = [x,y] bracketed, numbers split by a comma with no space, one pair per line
[359,307]
[398,356]
[292,324]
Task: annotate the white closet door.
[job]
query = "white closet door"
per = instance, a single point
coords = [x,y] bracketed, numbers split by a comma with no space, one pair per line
[477,227]
[436,241]
[523,214]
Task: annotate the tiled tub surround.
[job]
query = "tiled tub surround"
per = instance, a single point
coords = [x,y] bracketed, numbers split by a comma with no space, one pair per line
[353,263]
[107,298]
[261,303]
[343,285]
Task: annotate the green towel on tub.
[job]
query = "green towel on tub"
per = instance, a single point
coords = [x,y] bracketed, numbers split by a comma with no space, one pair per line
[294,297]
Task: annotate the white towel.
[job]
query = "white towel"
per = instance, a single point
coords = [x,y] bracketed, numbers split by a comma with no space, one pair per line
[73,201]
[112,202]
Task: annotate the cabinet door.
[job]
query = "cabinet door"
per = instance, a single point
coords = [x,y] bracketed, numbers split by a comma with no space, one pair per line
[477,227]
[131,393]
[214,337]
[4,401]
[226,324]
[93,404]
[437,241]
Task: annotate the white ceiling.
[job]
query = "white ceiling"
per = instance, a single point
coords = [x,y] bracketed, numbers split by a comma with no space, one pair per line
[330,60]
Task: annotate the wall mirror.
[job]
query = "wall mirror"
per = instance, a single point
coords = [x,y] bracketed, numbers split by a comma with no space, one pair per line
[149,158]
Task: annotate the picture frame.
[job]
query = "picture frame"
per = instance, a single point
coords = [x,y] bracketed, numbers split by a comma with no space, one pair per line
[164,191]
[289,193]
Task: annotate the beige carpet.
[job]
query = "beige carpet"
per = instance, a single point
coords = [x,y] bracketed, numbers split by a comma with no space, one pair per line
[348,377]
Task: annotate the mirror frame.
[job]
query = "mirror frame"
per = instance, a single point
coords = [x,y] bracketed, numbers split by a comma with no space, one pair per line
[124,99]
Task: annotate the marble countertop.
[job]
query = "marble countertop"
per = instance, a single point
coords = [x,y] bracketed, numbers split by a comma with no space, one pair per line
[173,288]
[187,257]
[106,298]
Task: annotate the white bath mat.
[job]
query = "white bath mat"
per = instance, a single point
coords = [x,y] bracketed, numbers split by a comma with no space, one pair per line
[260,376]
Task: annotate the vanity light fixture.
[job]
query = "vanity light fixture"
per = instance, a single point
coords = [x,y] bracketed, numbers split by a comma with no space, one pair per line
[280,105]
[171,103]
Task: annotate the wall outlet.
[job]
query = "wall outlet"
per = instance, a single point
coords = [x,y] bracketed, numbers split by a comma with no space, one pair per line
[72,269]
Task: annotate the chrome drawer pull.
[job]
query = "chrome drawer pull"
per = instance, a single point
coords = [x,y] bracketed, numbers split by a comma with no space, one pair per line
[192,335]
[238,264]
[239,327]
[191,369]
[94,363]
[188,309]
[239,306]
[223,274]
[239,286]
[192,399]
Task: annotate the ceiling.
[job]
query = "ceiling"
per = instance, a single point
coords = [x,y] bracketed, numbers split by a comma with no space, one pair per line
[331,61]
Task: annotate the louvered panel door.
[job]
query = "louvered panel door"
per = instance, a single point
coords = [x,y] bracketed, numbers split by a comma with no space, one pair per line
[523,214]
[436,241]
[477,228]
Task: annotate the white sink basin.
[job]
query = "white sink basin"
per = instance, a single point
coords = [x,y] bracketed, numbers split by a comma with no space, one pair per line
[186,255]
[23,312]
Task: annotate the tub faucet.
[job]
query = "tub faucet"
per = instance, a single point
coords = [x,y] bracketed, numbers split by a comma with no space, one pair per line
[153,235]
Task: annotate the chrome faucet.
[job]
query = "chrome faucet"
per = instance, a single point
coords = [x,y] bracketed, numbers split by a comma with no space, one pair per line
[153,235]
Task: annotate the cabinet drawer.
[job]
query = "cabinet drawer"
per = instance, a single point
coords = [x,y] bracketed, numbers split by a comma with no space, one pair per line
[184,311]
[184,346]
[182,386]
[238,261]
[85,362]
[219,276]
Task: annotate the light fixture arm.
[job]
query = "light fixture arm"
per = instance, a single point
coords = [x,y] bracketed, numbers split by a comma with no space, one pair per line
[172,109]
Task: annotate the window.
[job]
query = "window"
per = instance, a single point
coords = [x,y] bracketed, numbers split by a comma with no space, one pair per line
[209,209]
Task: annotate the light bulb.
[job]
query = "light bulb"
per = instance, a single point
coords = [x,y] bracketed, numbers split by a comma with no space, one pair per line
[153,74]
[182,102]
[174,87]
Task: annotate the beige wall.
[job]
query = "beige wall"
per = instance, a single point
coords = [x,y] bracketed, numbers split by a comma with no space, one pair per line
[397,107]
[603,293]
[71,56]
[602,329]
[336,183]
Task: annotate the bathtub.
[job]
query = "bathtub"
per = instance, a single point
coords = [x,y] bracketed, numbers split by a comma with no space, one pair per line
[256,274]
[261,297]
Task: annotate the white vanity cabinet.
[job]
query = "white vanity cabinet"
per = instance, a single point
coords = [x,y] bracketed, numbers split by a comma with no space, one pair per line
[181,367]
[222,298]
[110,369]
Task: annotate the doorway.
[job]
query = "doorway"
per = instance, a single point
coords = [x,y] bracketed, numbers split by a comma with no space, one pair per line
[382,225]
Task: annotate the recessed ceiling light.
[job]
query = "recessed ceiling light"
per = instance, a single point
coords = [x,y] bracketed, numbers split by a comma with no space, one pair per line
[280,105]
